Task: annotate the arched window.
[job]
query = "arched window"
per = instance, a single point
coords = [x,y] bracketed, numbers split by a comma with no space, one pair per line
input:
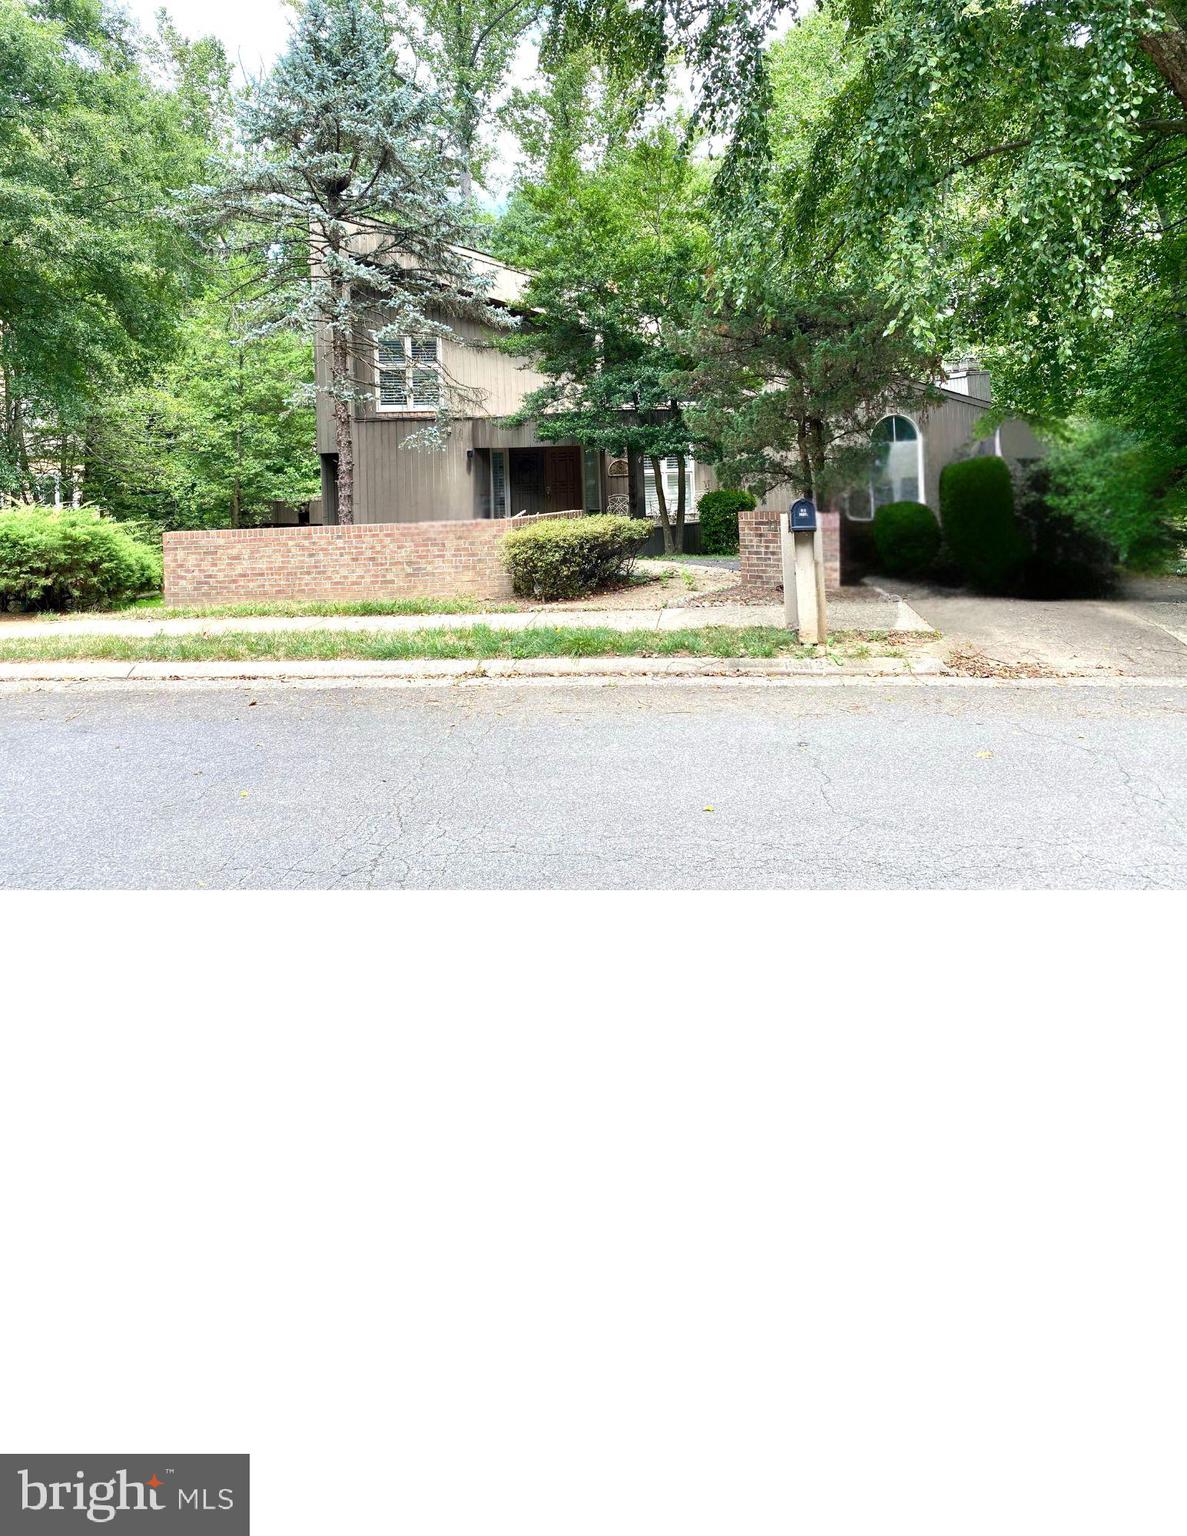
[897,471]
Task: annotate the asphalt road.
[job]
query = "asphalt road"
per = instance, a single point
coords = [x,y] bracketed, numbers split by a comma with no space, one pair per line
[528,786]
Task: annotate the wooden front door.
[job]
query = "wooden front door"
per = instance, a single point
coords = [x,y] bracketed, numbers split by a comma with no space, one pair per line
[545,480]
[564,479]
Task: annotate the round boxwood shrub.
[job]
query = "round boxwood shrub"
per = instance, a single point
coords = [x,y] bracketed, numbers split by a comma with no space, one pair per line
[980,530]
[71,557]
[718,512]
[569,557]
[907,537]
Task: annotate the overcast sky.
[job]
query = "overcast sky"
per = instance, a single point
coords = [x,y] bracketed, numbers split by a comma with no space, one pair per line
[253,31]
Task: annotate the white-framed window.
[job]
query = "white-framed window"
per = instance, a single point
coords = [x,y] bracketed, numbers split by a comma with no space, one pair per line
[897,472]
[409,373]
[671,472]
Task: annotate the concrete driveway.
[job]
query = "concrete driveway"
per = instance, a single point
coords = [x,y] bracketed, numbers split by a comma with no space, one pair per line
[1142,632]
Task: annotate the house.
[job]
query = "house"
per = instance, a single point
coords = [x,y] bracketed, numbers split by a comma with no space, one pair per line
[488,470]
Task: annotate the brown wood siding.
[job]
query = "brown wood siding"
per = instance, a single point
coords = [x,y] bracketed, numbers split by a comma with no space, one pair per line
[397,484]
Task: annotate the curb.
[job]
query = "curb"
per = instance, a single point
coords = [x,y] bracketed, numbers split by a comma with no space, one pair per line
[449,670]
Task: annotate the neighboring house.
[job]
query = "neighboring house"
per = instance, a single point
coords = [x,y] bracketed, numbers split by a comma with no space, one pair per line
[487,470]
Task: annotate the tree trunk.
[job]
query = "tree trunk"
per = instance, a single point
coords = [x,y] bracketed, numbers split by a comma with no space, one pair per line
[340,379]
[805,452]
[657,471]
[1167,48]
[681,501]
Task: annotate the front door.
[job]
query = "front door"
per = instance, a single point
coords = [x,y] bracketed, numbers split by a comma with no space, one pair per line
[545,480]
[527,481]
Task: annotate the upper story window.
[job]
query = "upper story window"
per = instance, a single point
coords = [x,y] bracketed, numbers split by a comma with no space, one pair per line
[897,472]
[409,370]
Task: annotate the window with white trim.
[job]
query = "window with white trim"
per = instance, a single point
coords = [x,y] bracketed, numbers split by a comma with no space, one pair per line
[897,473]
[671,471]
[409,373]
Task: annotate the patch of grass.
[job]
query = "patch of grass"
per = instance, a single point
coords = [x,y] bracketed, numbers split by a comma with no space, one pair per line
[154,607]
[480,642]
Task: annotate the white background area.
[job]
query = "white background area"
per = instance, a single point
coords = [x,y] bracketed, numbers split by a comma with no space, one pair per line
[821,1215]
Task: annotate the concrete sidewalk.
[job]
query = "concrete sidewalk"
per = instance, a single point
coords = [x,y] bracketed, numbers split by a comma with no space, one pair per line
[865,612]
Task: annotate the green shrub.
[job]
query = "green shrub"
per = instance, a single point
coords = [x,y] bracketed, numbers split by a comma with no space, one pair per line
[1121,487]
[71,558]
[907,537]
[980,530]
[718,512]
[1067,558]
[571,556]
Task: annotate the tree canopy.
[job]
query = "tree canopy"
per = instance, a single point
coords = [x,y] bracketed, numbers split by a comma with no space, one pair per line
[94,270]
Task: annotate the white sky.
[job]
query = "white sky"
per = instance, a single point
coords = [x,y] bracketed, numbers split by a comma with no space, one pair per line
[253,31]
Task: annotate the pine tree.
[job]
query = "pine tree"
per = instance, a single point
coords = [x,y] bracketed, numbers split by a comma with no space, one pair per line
[344,185]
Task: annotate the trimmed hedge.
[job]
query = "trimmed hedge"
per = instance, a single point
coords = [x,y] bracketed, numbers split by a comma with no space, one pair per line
[573,556]
[71,558]
[980,530]
[907,537]
[718,512]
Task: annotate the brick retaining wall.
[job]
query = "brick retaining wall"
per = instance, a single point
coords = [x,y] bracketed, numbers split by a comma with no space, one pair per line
[758,547]
[365,560]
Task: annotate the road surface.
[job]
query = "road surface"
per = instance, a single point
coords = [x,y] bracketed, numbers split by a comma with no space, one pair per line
[571,786]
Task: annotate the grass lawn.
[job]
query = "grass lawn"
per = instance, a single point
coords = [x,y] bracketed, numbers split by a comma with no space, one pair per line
[154,608]
[480,642]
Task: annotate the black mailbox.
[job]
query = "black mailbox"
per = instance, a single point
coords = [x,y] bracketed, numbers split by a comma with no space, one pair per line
[803,515]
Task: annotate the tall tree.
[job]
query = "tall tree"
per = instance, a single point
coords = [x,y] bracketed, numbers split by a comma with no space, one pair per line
[93,271]
[1012,179]
[615,254]
[791,377]
[216,437]
[343,187]
[469,47]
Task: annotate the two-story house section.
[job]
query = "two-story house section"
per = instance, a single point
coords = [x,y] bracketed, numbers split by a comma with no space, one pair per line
[485,469]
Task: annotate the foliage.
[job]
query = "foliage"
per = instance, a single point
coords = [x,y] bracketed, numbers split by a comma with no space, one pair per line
[1122,488]
[1013,179]
[1067,558]
[615,252]
[572,556]
[907,537]
[73,558]
[215,438]
[94,270]
[792,377]
[718,512]
[721,44]
[980,530]
[469,47]
[343,195]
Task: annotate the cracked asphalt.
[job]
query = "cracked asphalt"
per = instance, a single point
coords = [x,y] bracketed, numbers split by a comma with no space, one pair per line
[571,786]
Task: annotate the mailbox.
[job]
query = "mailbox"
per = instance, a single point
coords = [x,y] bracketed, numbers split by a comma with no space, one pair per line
[803,516]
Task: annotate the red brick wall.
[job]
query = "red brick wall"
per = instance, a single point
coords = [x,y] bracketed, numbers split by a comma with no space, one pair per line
[759,549]
[366,560]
